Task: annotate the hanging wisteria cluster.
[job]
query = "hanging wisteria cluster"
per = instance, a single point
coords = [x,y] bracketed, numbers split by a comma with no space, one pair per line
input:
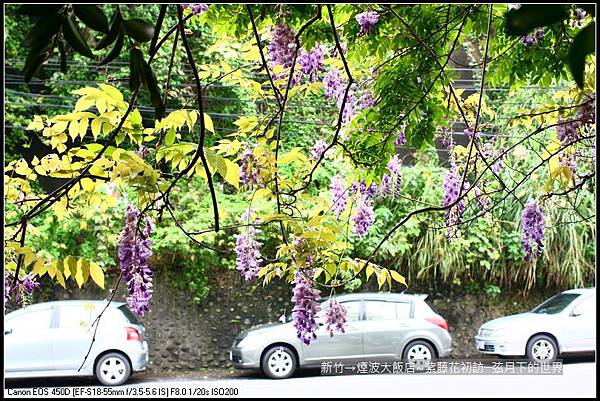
[529,40]
[391,183]
[318,149]
[364,217]
[134,256]
[339,195]
[335,317]
[311,63]
[367,21]
[567,132]
[283,45]
[306,306]
[250,168]
[452,192]
[247,250]
[196,8]
[23,290]
[532,226]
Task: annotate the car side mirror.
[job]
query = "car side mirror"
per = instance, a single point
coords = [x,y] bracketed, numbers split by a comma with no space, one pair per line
[576,312]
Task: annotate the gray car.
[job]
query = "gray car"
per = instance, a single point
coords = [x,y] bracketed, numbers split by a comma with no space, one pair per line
[380,327]
[52,339]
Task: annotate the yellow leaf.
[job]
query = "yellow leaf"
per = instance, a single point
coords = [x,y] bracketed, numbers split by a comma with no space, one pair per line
[97,274]
[88,184]
[79,273]
[60,279]
[398,277]
[370,271]
[39,268]
[233,173]
[208,123]
[382,277]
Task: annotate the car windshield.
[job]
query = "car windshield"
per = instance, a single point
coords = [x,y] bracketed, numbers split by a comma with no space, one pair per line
[556,304]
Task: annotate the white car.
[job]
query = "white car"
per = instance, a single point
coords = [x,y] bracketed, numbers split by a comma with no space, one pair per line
[563,324]
[52,339]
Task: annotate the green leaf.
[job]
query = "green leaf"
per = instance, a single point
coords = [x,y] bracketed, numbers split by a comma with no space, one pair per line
[114,53]
[152,86]
[170,137]
[136,67]
[74,38]
[139,29]
[583,44]
[115,27]
[92,16]
[42,31]
[530,16]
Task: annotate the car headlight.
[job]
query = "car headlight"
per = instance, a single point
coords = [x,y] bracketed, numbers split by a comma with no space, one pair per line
[250,341]
[498,332]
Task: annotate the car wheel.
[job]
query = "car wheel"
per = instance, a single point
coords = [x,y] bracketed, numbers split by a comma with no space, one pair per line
[279,362]
[419,352]
[113,369]
[542,348]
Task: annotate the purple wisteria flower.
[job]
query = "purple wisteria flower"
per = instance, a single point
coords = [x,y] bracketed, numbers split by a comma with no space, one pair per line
[364,217]
[248,257]
[282,47]
[366,100]
[250,168]
[339,194]
[306,306]
[401,139]
[483,201]
[311,63]
[367,21]
[134,257]
[529,40]
[318,149]
[335,317]
[196,8]
[142,152]
[532,226]
[334,85]
[6,287]
[452,191]
[350,106]
[493,157]
[394,165]
[25,288]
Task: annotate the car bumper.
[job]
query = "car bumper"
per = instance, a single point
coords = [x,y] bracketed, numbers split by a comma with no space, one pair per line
[499,346]
[244,359]
[139,358]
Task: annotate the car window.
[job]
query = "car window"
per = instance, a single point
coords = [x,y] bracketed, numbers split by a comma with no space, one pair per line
[80,316]
[556,304]
[352,310]
[381,310]
[587,306]
[402,310]
[34,320]
[129,315]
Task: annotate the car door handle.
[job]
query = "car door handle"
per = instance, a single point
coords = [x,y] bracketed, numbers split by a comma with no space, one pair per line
[404,324]
[9,331]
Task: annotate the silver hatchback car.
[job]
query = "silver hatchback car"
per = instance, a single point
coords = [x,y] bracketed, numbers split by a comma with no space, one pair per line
[380,326]
[52,339]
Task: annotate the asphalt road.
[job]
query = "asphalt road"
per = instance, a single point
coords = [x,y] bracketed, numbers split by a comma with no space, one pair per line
[578,380]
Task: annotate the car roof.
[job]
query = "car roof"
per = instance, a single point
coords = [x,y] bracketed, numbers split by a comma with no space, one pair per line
[113,304]
[379,296]
[581,291]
